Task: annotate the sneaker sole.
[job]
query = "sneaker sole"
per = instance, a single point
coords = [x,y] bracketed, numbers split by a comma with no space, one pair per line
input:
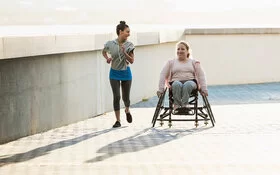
[128,117]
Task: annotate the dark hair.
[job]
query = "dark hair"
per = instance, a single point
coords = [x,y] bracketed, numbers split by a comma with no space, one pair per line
[121,26]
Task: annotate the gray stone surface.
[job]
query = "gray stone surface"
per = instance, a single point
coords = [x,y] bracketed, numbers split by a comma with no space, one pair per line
[244,141]
[233,94]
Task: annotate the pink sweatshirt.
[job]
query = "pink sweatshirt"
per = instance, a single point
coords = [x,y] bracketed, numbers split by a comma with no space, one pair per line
[176,70]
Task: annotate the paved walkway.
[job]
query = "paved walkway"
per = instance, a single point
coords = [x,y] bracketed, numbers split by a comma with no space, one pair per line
[244,141]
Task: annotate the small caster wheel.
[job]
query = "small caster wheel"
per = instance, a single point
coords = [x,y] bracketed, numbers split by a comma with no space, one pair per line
[169,124]
[206,122]
[196,125]
[161,123]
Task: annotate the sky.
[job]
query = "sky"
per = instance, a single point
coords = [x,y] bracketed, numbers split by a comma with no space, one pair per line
[221,5]
[174,5]
[26,12]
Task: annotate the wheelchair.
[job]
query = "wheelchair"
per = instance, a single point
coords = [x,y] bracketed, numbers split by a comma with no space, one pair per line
[198,112]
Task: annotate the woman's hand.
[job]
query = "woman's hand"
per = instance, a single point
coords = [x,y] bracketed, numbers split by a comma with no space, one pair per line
[129,56]
[159,93]
[168,84]
[204,93]
[108,60]
[123,48]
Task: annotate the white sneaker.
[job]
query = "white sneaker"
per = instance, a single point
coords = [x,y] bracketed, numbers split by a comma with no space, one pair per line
[175,109]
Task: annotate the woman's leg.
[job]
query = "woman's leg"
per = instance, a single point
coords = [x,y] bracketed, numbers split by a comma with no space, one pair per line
[126,86]
[188,87]
[115,84]
[177,92]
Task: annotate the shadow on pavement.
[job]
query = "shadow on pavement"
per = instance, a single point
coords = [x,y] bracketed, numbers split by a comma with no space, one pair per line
[41,151]
[149,137]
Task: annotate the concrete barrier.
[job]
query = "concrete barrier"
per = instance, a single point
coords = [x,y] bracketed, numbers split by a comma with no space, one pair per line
[237,56]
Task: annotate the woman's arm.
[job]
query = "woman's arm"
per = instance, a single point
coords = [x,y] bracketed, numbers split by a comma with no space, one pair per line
[104,53]
[201,79]
[129,56]
[164,75]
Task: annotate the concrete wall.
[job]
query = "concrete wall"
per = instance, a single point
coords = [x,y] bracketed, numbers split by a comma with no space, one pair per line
[40,93]
[50,81]
[237,58]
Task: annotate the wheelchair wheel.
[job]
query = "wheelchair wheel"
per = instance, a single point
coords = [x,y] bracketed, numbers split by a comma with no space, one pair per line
[209,110]
[159,107]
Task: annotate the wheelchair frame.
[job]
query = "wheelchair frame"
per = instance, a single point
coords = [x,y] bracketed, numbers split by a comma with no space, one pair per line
[204,111]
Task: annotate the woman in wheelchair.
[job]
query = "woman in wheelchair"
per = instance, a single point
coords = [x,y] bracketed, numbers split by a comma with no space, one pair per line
[183,75]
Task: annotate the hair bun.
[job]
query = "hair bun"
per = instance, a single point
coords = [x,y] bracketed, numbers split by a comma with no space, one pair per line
[122,22]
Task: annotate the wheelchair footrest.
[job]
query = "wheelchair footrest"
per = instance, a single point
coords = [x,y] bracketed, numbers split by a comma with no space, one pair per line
[183,111]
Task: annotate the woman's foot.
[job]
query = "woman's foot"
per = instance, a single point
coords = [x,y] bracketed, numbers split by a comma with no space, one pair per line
[117,124]
[187,108]
[175,108]
[128,116]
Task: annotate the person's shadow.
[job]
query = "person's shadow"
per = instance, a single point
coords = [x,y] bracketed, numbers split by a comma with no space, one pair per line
[149,137]
[41,151]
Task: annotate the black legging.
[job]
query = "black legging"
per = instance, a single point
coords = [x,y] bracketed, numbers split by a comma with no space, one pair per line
[126,85]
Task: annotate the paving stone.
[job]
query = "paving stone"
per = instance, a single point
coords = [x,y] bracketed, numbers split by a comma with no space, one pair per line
[244,141]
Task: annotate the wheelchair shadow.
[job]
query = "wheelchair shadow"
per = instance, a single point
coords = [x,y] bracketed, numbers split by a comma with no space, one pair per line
[148,138]
[41,151]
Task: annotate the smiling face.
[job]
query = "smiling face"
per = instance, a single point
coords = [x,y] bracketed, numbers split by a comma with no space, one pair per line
[182,51]
[124,34]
